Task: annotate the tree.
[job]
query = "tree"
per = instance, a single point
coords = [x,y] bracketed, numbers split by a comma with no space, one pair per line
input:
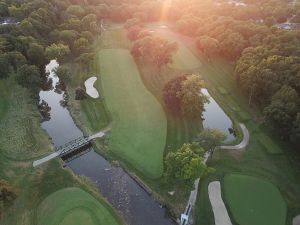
[76,10]
[133,32]
[57,51]
[81,45]
[35,54]
[295,132]
[16,59]
[29,76]
[87,35]
[80,94]
[192,98]
[155,50]
[4,66]
[209,139]
[27,28]
[282,111]
[3,9]
[68,36]
[233,45]
[186,164]
[171,99]
[64,73]
[208,45]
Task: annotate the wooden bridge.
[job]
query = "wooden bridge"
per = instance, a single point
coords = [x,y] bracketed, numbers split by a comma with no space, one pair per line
[69,148]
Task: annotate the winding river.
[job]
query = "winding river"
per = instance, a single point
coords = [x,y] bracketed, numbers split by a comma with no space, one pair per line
[132,201]
[122,191]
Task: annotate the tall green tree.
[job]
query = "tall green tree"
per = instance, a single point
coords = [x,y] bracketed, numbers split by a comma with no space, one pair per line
[57,51]
[186,164]
[210,138]
[29,76]
[192,99]
[282,111]
[35,54]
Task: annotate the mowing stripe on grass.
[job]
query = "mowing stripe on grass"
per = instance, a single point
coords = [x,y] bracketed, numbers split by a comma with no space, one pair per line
[139,125]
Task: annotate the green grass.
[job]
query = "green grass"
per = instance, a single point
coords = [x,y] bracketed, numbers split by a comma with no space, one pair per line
[281,169]
[139,124]
[73,206]
[19,117]
[21,140]
[254,201]
[269,145]
[183,59]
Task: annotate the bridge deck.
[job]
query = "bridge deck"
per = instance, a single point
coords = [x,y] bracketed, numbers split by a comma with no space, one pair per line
[69,147]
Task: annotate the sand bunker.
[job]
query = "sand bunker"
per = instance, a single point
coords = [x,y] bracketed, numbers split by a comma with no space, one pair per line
[89,87]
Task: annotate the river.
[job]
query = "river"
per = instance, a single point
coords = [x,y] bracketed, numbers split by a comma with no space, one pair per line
[129,198]
[123,192]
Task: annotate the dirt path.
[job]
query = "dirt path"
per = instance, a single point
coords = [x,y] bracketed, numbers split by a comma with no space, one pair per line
[220,212]
[243,144]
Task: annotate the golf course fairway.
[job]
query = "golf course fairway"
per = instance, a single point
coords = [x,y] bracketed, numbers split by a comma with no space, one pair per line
[73,206]
[139,124]
[253,201]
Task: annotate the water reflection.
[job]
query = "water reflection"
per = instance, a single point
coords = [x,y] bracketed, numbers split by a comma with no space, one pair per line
[215,117]
[120,189]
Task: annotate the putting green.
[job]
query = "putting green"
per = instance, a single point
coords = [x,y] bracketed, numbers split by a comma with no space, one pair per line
[253,201]
[139,126]
[73,206]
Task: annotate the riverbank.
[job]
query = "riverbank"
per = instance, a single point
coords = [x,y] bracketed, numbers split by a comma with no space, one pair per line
[19,117]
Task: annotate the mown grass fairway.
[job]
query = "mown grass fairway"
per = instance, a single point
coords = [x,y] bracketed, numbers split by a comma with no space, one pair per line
[139,124]
[253,201]
[184,59]
[73,206]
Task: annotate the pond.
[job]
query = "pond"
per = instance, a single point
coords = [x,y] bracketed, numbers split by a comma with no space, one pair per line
[215,117]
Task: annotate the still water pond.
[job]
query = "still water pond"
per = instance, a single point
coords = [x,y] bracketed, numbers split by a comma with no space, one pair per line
[215,117]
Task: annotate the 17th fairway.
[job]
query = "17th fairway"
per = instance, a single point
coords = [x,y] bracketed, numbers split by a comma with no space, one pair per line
[139,124]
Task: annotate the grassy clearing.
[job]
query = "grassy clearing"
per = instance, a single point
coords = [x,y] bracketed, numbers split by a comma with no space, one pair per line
[139,123]
[73,206]
[254,201]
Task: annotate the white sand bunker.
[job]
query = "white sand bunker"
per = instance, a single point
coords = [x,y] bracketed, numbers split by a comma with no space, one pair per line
[218,206]
[89,87]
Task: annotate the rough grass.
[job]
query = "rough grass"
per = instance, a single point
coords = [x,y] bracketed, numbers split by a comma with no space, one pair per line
[21,136]
[139,124]
[73,206]
[254,201]
[21,139]
[269,145]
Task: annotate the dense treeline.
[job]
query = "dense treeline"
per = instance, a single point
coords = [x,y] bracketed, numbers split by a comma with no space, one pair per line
[46,30]
[266,58]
